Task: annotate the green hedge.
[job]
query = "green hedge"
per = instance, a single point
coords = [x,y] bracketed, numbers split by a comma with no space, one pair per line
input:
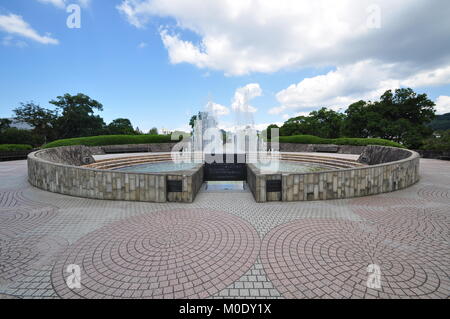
[111,140]
[310,139]
[148,139]
[15,147]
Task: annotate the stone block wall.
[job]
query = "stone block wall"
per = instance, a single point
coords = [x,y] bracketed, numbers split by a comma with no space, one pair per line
[373,155]
[191,184]
[135,148]
[56,170]
[70,155]
[400,170]
[310,148]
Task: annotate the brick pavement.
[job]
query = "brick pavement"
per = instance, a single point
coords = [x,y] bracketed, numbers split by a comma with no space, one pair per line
[225,245]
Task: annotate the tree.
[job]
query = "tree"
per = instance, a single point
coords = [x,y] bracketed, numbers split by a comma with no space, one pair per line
[42,120]
[77,118]
[402,116]
[121,126]
[269,130]
[323,123]
[153,131]
[356,123]
[4,124]
[192,121]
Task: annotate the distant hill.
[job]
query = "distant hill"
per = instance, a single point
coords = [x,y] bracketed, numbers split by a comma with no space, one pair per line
[441,122]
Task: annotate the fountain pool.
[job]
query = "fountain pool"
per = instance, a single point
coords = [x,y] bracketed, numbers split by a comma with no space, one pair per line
[157,167]
[281,167]
[292,167]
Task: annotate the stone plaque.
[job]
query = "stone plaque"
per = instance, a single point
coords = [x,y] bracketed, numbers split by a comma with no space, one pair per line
[174,186]
[273,186]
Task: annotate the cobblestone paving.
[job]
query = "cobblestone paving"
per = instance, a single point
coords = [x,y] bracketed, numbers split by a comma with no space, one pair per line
[225,245]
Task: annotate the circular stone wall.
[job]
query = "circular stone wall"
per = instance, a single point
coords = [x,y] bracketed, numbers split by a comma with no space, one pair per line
[63,170]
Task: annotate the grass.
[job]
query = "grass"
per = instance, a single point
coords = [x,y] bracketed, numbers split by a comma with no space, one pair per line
[14,147]
[111,140]
[310,139]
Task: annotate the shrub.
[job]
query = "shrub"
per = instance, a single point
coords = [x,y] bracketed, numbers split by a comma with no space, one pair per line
[310,139]
[441,143]
[15,147]
[111,140]
[17,136]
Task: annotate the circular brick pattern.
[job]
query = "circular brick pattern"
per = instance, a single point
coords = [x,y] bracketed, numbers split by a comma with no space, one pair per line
[12,198]
[21,254]
[186,253]
[434,193]
[430,223]
[329,259]
[379,201]
[17,221]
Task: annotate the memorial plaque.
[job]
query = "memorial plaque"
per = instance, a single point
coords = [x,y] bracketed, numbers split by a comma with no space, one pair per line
[174,186]
[225,167]
[273,186]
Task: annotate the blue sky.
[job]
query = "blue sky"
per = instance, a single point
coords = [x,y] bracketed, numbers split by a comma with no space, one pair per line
[157,63]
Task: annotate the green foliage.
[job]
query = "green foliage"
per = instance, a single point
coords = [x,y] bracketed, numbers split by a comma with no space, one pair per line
[120,127]
[153,131]
[310,139]
[440,142]
[268,132]
[42,120]
[440,123]
[357,121]
[401,116]
[323,123]
[16,136]
[77,118]
[4,124]
[192,121]
[14,147]
[111,140]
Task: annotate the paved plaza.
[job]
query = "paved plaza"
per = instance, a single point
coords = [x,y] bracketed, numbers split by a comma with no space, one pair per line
[225,245]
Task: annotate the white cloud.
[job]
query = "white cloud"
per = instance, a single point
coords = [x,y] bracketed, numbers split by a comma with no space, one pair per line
[142,45]
[217,109]
[84,3]
[243,96]
[9,41]
[443,105]
[240,37]
[57,3]
[15,25]
[183,51]
[62,3]
[366,80]
[230,127]
[439,76]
